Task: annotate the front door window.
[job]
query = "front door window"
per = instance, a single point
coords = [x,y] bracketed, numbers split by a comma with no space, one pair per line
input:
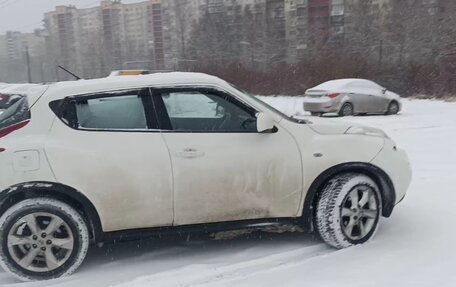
[205,111]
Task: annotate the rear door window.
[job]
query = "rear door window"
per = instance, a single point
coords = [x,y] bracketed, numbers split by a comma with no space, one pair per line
[110,111]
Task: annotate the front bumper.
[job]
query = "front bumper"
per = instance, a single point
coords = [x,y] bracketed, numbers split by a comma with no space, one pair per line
[396,164]
[322,107]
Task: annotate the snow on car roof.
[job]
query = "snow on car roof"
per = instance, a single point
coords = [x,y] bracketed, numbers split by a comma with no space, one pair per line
[73,88]
[345,83]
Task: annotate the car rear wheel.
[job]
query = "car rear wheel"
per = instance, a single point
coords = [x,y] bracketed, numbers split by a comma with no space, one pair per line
[42,239]
[348,210]
[346,110]
[393,108]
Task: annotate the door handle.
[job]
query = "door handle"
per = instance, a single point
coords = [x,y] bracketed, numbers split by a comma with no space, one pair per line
[189,153]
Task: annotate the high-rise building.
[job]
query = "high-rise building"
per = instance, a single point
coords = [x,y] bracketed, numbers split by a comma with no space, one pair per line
[94,41]
[178,34]
[296,29]
[14,46]
[3,48]
[63,39]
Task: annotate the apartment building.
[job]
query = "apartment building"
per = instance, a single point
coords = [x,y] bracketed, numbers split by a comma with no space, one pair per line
[254,31]
[296,26]
[179,34]
[3,48]
[94,41]
[13,48]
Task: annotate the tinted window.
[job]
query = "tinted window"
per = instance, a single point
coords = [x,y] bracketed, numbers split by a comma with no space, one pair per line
[16,113]
[117,111]
[111,113]
[197,111]
[190,105]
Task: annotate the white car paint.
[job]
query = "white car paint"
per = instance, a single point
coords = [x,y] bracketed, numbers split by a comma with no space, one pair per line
[141,180]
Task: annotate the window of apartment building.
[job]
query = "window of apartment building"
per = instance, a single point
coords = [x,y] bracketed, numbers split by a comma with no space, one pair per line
[337,10]
[301,11]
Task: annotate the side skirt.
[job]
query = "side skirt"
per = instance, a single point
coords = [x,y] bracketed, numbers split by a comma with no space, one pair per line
[257,224]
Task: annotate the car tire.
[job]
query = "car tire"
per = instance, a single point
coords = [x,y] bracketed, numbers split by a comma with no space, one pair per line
[346,110]
[348,210]
[393,108]
[42,239]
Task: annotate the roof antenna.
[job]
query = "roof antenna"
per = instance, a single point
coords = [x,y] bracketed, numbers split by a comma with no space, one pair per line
[77,78]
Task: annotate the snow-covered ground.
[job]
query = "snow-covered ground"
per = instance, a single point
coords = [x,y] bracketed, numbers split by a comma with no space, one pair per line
[415,247]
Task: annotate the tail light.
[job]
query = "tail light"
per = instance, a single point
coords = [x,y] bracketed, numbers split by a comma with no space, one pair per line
[333,96]
[14,127]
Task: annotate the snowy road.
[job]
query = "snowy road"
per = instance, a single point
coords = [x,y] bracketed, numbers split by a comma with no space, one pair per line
[415,247]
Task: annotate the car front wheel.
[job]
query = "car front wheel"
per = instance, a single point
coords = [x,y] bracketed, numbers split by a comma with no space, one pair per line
[348,210]
[42,239]
[393,108]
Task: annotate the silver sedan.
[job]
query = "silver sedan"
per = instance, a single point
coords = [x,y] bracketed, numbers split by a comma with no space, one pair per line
[348,97]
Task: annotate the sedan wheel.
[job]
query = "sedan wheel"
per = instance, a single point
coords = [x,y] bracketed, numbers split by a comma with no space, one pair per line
[348,210]
[42,239]
[393,108]
[346,110]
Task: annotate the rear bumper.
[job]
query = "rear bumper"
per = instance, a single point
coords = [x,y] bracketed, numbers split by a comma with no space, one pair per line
[322,107]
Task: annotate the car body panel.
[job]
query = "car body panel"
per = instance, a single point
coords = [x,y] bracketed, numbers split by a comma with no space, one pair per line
[396,164]
[319,152]
[127,176]
[228,182]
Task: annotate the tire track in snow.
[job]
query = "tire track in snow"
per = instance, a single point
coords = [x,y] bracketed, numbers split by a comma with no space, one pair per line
[202,274]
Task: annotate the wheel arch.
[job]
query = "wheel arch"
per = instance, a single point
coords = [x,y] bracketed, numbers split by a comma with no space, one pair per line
[67,194]
[347,101]
[375,173]
[394,101]
[391,102]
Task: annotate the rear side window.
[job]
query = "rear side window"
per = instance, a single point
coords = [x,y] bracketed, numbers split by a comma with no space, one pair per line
[104,112]
[16,113]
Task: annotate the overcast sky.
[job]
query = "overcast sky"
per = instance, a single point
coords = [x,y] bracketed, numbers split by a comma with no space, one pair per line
[26,15]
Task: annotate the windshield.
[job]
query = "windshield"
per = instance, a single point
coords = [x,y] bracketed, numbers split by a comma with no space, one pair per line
[16,113]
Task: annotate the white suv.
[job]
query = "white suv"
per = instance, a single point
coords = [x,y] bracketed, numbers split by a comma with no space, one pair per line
[122,158]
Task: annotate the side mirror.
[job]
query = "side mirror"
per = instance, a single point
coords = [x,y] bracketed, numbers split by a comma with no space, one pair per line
[384,90]
[265,124]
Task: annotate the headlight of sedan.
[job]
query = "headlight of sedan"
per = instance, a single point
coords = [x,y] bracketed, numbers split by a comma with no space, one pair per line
[367,131]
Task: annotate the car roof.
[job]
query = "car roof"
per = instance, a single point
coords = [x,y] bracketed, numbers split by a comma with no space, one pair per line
[82,87]
[345,83]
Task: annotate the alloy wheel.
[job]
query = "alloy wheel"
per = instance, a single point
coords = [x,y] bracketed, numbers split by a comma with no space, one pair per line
[359,212]
[347,110]
[393,109]
[40,242]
